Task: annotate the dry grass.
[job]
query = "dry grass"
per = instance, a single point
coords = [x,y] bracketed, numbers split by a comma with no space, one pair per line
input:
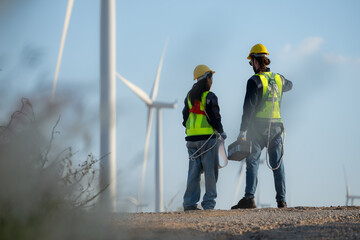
[43,193]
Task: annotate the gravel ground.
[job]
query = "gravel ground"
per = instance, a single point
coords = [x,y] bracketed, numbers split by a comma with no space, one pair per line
[267,223]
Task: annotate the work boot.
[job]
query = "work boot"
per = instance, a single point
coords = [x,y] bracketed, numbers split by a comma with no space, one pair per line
[281,204]
[245,203]
[191,208]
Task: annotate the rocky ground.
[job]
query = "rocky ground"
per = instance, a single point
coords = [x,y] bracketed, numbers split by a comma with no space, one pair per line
[266,223]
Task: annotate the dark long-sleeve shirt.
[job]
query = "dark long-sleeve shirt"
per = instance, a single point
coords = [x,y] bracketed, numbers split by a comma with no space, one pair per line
[213,111]
[253,97]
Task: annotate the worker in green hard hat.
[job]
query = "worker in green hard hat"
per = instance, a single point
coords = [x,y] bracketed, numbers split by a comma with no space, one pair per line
[262,125]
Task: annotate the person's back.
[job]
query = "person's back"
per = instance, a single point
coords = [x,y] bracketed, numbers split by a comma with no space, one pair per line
[202,120]
[263,110]
[262,125]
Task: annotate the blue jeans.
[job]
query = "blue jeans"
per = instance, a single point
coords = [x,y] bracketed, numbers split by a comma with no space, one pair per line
[207,163]
[252,166]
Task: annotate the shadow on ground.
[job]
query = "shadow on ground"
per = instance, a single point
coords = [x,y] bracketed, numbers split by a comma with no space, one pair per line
[325,231]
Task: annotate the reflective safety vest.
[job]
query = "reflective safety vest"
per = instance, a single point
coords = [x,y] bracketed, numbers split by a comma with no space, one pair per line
[272,86]
[197,123]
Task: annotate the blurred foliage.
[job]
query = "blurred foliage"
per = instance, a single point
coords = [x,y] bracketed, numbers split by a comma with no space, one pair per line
[43,193]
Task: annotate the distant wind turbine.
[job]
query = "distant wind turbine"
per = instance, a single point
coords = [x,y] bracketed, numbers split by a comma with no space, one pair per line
[348,196]
[151,104]
[137,204]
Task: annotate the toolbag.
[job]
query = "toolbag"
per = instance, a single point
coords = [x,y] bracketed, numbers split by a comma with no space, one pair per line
[239,150]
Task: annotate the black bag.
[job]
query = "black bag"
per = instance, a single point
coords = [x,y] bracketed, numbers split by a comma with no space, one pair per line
[239,150]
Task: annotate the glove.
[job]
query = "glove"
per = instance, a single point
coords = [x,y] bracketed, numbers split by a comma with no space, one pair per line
[242,136]
[223,135]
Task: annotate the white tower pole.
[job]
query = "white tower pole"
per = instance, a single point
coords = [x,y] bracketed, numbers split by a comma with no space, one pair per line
[159,207]
[107,104]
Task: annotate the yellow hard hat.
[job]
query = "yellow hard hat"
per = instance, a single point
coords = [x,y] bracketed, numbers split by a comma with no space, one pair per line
[201,70]
[258,49]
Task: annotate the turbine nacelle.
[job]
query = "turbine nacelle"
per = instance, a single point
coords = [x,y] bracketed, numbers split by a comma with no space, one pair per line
[144,97]
[156,104]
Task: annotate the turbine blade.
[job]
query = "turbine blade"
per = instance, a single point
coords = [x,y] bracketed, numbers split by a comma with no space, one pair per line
[138,91]
[241,168]
[63,39]
[146,150]
[241,173]
[157,78]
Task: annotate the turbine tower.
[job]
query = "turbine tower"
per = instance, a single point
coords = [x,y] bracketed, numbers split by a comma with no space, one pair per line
[151,104]
[108,104]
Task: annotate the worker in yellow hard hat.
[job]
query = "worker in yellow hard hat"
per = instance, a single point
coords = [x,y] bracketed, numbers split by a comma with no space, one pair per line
[262,125]
[202,120]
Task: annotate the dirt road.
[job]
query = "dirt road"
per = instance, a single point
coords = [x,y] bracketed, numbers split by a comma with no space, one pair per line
[268,223]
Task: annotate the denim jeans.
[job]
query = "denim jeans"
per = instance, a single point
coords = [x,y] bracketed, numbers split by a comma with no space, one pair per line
[252,166]
[207,163]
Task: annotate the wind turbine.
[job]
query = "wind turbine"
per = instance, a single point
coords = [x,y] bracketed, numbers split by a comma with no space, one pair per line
[151,104]
[348,196]
[107,97]
[135,202]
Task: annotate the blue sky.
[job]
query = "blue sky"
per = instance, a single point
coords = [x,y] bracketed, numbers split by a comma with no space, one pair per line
[312,43]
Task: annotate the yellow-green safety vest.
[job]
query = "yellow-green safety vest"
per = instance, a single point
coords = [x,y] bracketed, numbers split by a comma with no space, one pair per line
[197,123]
[272,85]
